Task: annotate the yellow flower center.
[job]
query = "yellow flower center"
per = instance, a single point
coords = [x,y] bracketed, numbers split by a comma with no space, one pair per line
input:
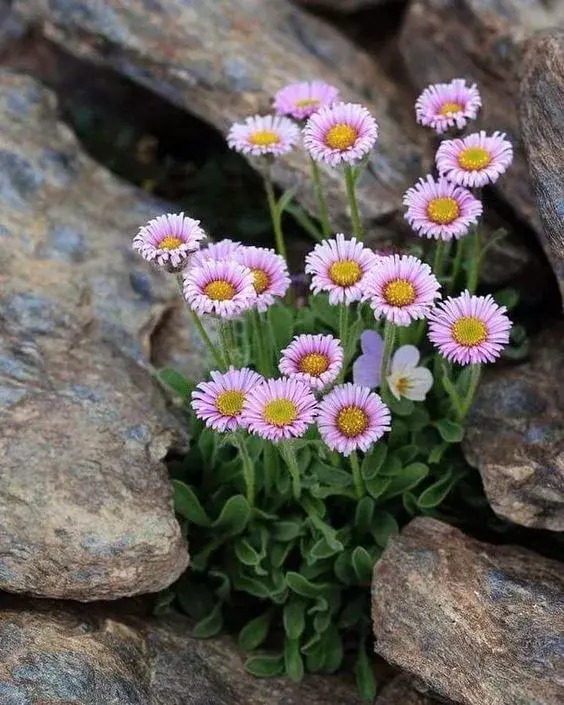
[314,364]
[402,385]
[345,273]
[230,403]
[306,103]
[450,107]
[341,136]
[469,331]
[220,290]
[443,210]
[399,292]
[169,243]
[352,421]
[474,158]
[264,138]
[279,412]
[261,280]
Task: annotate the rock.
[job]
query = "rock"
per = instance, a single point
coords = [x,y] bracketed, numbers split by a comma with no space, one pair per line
[478,624]
[401,691]
[542,126]
[57,653]
[344,5]
[480,40]
[515,436]
[202,56]
[85,503]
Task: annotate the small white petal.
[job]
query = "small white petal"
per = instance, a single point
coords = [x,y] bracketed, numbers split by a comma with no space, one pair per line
[405,357]
[421,381]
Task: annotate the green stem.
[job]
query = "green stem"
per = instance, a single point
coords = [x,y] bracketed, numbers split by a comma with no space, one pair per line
[476,371]
[458,256]
[248,468]
[320,199]
[389,335]
[357,476]
[353,205]
[292,462]
[343,324]
[224,339]
[441,250]
[474,271]
[451,391]
[264,363]
[275,216]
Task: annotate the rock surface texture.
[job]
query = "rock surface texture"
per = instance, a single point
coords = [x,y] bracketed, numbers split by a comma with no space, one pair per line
[515,436]
[202,56]
[400,691]
[542,126]
[481,40]
[85,503]
[478,624]
[54,653]
[344,5]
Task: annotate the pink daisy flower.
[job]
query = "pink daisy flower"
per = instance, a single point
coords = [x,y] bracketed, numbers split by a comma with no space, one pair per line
[168,240]
[301,100]
[219,403]
[270,274]
[475,160]
[278,409]
[440,209]
[444,105]
[263,134]
[401,289]
[222,250]
[339,267]
[343,132]
[221,287]
[469,329]
[315,359]
[352,417]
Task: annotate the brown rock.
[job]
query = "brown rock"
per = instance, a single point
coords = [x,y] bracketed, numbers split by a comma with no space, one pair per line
[481,41]
[401,691]
[515,436]
[542,126]
[203,56]
[56,653]
[84,499]
[478,624]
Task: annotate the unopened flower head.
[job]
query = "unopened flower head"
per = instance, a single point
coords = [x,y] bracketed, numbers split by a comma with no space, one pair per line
[352,418]
[279,409]
[476,160]
[469,329]
[222,250]
[224,288]
[344,132]
[168,240]
[315,359]
[340,267]
[440,209]
[263,134]
[219,403]
[445,105]
[301,100]
[401,289]
[270,274]
[406,378]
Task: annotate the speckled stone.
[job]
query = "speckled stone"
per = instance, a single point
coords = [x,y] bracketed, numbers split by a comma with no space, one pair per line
[481,40]
[401,691]
[202,56]
[478,624]
[515,435]
[85,502]
[542,125]
[57,654]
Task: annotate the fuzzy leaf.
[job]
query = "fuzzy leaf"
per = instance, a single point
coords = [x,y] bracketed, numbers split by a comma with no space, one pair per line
[281,322]
[265,666]
[210,625]
[175,381]
[233,517]
[255,632]
[246,553]
[286,530]
[187,504]
[362,564]
[364,513]
[373,462]
[293,661]
[450,431]
[436,493]
[364,674]
[383,526]
[377,486]
[408,478]
[293,618]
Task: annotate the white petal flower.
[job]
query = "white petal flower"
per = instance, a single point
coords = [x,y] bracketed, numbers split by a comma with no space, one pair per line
[406,379]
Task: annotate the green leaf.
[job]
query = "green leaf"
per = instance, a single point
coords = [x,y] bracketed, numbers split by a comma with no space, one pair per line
[293,618]
[373,462]
[436,455]
[384,526]
[410,503]
[364,513]
[324,311]
[176,382]
[507,297]
[255,632]
[210,625]
[364,674]
[223,590]
[163,602]
[280,552]
[343,568]
[303,219]
[401,407]
[392,466]
[321,622]
[286,198]
[436,493]
[187,504]
[331,640]
[265,666]
[195,599]
[286,530]
[281,323]
[303,587]
[312,645]
[406,454]
[353,613]
[418,419]
[362,564]
[409,477]
[293,661]
[331,476]
[252,585]
[321,549]
[233,517]
[377,486]
[246,553]
[207,445]
[450,431]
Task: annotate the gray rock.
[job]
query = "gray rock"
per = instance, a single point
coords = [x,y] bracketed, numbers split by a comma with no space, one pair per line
[55,653]
[85,502]
[478,624]
[515,436]
[202,56]
[401,691]
[345,5]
